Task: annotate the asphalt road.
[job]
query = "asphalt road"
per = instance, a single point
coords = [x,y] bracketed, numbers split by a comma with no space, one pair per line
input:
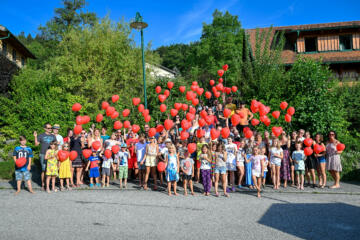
[134,214]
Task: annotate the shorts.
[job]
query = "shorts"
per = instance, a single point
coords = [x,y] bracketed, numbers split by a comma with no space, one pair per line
[276,162]
[132,162]
[42,162]
[123,172]
[265,172]
[230,166]
[150,161]
[300,172]
[198,163]
[221,170]
[187,177]
[255,173]
[105,171]
[239,164]
[141,166]
[321,159]
[94,172]
[311,163]
[20,175]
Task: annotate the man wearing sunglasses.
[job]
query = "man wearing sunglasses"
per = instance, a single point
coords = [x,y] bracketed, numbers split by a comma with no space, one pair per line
[44,141]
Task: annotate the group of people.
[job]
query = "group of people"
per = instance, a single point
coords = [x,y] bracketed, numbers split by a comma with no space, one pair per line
[234,161]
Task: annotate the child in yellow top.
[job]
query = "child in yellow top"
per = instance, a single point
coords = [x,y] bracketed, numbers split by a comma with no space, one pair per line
[65,170]
[51,166]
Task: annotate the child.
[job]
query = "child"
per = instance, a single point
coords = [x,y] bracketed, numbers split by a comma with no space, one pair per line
[187,167]
[65,170]
[93,163]
[276,154]
[172,169]
[240,159]
[257,169]
[298,157]
[123,158]
[266,164]
[163,151]
[231,149]
[24,171]
[213,160]
[52,168]
[198,163]
[205,159]
[220,169]
[107,164]
[249,150]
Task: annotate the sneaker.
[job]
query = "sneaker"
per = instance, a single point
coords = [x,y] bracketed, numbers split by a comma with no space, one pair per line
[98,185]
[91,185]
[228,190]
[233,189]
[239,186]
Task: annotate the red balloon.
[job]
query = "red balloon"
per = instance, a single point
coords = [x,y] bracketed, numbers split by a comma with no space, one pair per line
[267,122]
[162,108]
[213,89]
[275,114]
[79,120]
[255,122]
[318,148]
[77,129]
[86,153]
[248,134]
[192,147]
[220,72]
[108,153]
[234,88]
[104,105]
[170,85]
[182,89]
[200,91]
[227,90]
[115,98]
[161,166]
[283,105]
[168,123]
[308,151]
[63,155]
[126,112]
[202,122]
[208,95]
[194,83]
[184,107]
[73,155]
[217,94]
[219,87]
[291,111]
[76,107]
[212,82]
[225,67]
[195,101]
[136,101]
[117,125]
[162,98]
[190,95]
[167,93]
[340,147]
[287,118]
[235,119]
[20,162]
[147,118]
[99,117]
[209,120]
[115,149]
[96,145]
[225,132]
[159,128]
[114,115]
[277,131]
[185,124]
[221,80]
[214,133]
[192,110]
[135,128]
[86,119]
[178,106]
[127,124]
[145,112]
[173,112]
[158,89]
[227,112]
[141,108]
[152,132]
[110,111]
[200,133]
[190,117]
[194,88]
[308,142]
[184,135]
[203,114]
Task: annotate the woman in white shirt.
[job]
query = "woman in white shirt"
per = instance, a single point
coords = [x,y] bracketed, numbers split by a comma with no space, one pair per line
[276,155]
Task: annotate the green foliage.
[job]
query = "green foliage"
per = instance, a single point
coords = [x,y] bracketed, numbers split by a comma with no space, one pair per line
[175,56]
[7,170]
[350,161]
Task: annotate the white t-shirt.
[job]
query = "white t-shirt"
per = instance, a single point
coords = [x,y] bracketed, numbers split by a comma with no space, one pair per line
[205,164]
[187,170]
[276,151]
[107,162]
[60,140]
[231,153]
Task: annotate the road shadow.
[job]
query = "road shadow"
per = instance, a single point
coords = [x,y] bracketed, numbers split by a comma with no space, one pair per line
[314,220]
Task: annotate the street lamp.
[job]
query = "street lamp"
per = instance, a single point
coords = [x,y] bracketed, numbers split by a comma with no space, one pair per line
[140,25]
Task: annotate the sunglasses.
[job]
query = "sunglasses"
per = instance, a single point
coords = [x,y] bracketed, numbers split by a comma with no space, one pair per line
[331,134]
[48,128]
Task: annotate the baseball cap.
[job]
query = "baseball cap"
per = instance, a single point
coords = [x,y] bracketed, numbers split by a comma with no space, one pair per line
[123,145]
[168,140]
[56,126]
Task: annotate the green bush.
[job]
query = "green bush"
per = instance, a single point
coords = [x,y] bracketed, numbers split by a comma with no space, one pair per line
[350,161]
[7,170]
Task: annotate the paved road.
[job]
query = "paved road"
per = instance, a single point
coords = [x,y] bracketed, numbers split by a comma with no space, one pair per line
[132,214]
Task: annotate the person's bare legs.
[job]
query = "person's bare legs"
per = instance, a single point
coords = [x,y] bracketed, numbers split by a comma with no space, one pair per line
[278,177]
[241,172]
[72,176]
[68,184]
[43,180]
[313,176]
[185,187]
[216,184]
[232,179]
[18,187]
[298,180]
[224,182]
[48,184]
[323,173]
[53,178]
[175,185]
[28,182]
[302,182]
[336,176]
[146,177]
[191,187]
[103,180]
[169,188]
[120,181]
[153,174]
[198,175]
[78,176]
[292,175]
[61,184]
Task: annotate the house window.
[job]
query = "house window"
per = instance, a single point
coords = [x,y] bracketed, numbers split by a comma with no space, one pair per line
[345,42]
[310,44]
[14,55]
[4,48]
[22,61]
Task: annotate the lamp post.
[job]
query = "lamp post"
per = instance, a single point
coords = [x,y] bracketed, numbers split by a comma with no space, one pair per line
[140,25]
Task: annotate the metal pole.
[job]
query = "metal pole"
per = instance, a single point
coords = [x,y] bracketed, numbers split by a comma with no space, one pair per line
[143,64]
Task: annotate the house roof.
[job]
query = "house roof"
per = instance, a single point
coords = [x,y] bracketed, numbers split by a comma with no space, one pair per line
[7,35]
[289,57]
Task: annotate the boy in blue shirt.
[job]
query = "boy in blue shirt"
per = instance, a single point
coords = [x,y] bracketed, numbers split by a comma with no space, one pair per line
[298,157]
[123,157]
[93,164]
[23,172]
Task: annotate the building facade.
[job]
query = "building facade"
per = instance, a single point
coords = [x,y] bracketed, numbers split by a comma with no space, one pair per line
[336,44]
[13,56]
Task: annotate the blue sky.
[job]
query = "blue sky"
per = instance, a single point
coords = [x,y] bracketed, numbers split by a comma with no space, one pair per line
[181,21]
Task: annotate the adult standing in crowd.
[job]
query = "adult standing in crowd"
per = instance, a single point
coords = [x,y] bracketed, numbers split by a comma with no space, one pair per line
[333,161]
[59,138]
[245,116]
[77,143]
[321,160]
[152,150]
[70,133]
[44,141]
